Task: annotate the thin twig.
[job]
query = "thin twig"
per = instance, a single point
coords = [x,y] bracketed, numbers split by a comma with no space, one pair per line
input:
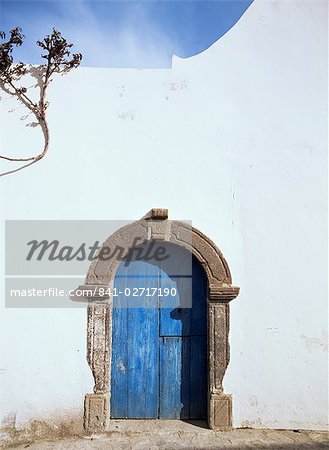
[18,169]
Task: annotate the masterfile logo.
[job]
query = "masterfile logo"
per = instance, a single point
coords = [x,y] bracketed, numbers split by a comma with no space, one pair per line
[46,262]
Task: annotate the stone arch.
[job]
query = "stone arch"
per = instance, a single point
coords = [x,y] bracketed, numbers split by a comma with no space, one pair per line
[156,226]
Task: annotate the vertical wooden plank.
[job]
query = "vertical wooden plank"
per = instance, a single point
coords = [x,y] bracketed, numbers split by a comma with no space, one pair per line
[185,377]
[119,385]
[175,320]
[170,325]
[198,325]
[135,390]
[170,377]
[183,352]
[174,377]
[143,363]
[198,346]
[198,377]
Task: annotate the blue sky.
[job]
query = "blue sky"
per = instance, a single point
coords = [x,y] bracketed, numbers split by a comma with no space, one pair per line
[120,33]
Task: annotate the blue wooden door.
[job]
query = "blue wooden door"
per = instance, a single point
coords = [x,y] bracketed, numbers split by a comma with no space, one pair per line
[159,363]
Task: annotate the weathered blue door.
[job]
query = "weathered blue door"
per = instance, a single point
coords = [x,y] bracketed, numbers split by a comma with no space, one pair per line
[159,363]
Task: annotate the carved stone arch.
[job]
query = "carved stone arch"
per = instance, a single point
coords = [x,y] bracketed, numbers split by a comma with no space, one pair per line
[156,226]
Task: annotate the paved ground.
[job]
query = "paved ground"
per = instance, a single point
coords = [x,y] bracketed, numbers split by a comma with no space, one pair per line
[170,435]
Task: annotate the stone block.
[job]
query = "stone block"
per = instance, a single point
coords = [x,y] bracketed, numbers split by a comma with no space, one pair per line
[220,414]
[96,412]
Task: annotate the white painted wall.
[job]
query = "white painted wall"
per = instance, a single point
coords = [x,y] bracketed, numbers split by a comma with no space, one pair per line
[234,139]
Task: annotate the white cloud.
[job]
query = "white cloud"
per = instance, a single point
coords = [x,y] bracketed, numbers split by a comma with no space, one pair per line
[124,45]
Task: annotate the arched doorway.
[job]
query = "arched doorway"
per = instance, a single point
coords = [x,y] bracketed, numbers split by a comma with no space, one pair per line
[159,339]
[219,292]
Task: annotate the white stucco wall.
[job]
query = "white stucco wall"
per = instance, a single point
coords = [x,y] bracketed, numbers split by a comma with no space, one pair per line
[234,139]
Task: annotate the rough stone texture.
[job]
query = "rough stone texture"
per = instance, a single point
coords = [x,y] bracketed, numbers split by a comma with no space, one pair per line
[99,345]
[179,233]
[219,350]
[157,214]
[96,412]
[222,294]
[220,414]
[156,226]
[158,230]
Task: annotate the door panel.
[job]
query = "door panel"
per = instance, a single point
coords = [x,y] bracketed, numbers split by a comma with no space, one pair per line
[175,320]
[174,377]
[119,382]
[143,362]
[198,377]
[198,319]
[135,349]
[159,364]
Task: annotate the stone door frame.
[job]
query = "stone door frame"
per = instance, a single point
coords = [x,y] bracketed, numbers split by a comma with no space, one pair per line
[156,226]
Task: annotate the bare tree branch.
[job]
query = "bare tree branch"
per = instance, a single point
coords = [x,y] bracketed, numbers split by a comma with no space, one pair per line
[58,60]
